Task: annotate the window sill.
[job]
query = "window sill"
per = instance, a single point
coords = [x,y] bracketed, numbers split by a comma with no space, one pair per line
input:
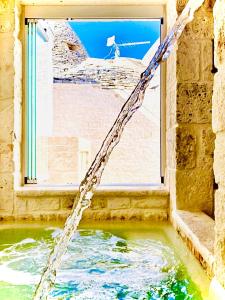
[41,191]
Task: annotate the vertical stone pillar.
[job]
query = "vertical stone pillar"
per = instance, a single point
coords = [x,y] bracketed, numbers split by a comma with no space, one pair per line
[194,136]
[219,129]
[7,25]
[190,97]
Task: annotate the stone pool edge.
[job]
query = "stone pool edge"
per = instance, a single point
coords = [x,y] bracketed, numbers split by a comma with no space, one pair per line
[111,203]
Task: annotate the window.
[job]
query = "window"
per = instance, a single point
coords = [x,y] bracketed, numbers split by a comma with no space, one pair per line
[79,74]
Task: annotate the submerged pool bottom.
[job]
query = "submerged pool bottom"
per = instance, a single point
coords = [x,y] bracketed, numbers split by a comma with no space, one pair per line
[123,263]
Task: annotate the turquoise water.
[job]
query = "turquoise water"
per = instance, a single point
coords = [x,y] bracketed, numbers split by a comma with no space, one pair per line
[108,263]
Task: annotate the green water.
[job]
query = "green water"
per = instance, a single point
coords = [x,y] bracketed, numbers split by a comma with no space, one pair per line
[103,261]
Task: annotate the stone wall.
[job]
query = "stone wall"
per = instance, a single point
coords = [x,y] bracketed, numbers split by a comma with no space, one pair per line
[189,102]
[135,204]
[219,129]
[7,135]
[88,112]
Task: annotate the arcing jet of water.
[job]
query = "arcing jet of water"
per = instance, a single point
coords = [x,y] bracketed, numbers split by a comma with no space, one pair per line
[93,175]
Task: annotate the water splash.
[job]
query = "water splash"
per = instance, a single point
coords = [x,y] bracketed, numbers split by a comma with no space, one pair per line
[108,272]
[93,175]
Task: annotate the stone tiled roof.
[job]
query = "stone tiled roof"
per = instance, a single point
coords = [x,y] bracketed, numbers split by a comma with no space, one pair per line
[117,73]
[67,50]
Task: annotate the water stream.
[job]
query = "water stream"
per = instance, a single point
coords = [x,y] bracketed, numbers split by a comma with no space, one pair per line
[93,175]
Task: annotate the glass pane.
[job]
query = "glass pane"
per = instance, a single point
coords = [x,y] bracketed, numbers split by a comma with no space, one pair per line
[31,103]
[86,70]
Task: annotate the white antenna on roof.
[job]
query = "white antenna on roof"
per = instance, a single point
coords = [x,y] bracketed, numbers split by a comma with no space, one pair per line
[111,42]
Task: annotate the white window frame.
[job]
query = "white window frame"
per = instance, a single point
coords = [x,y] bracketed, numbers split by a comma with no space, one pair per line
[101,12]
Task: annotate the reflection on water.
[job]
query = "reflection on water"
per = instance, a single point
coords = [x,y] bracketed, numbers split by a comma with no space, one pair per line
[98,265]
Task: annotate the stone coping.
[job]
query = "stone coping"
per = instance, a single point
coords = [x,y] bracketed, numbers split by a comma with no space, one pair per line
[40,191]
[197,229]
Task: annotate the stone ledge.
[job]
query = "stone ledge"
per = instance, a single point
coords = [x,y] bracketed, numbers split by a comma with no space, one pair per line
[197,230]
[40,191]
[108,203]
[93,215]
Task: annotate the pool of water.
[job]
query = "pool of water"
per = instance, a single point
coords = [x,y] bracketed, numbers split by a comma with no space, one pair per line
[104,261]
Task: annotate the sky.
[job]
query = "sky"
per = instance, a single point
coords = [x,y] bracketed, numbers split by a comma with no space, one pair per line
[93,35]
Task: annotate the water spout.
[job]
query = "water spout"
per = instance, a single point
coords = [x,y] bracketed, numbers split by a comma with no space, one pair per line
[93,175]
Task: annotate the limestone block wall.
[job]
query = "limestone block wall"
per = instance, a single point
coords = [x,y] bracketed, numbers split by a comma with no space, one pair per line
[134,204]
[7,135]
[189,103]
[219,129]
